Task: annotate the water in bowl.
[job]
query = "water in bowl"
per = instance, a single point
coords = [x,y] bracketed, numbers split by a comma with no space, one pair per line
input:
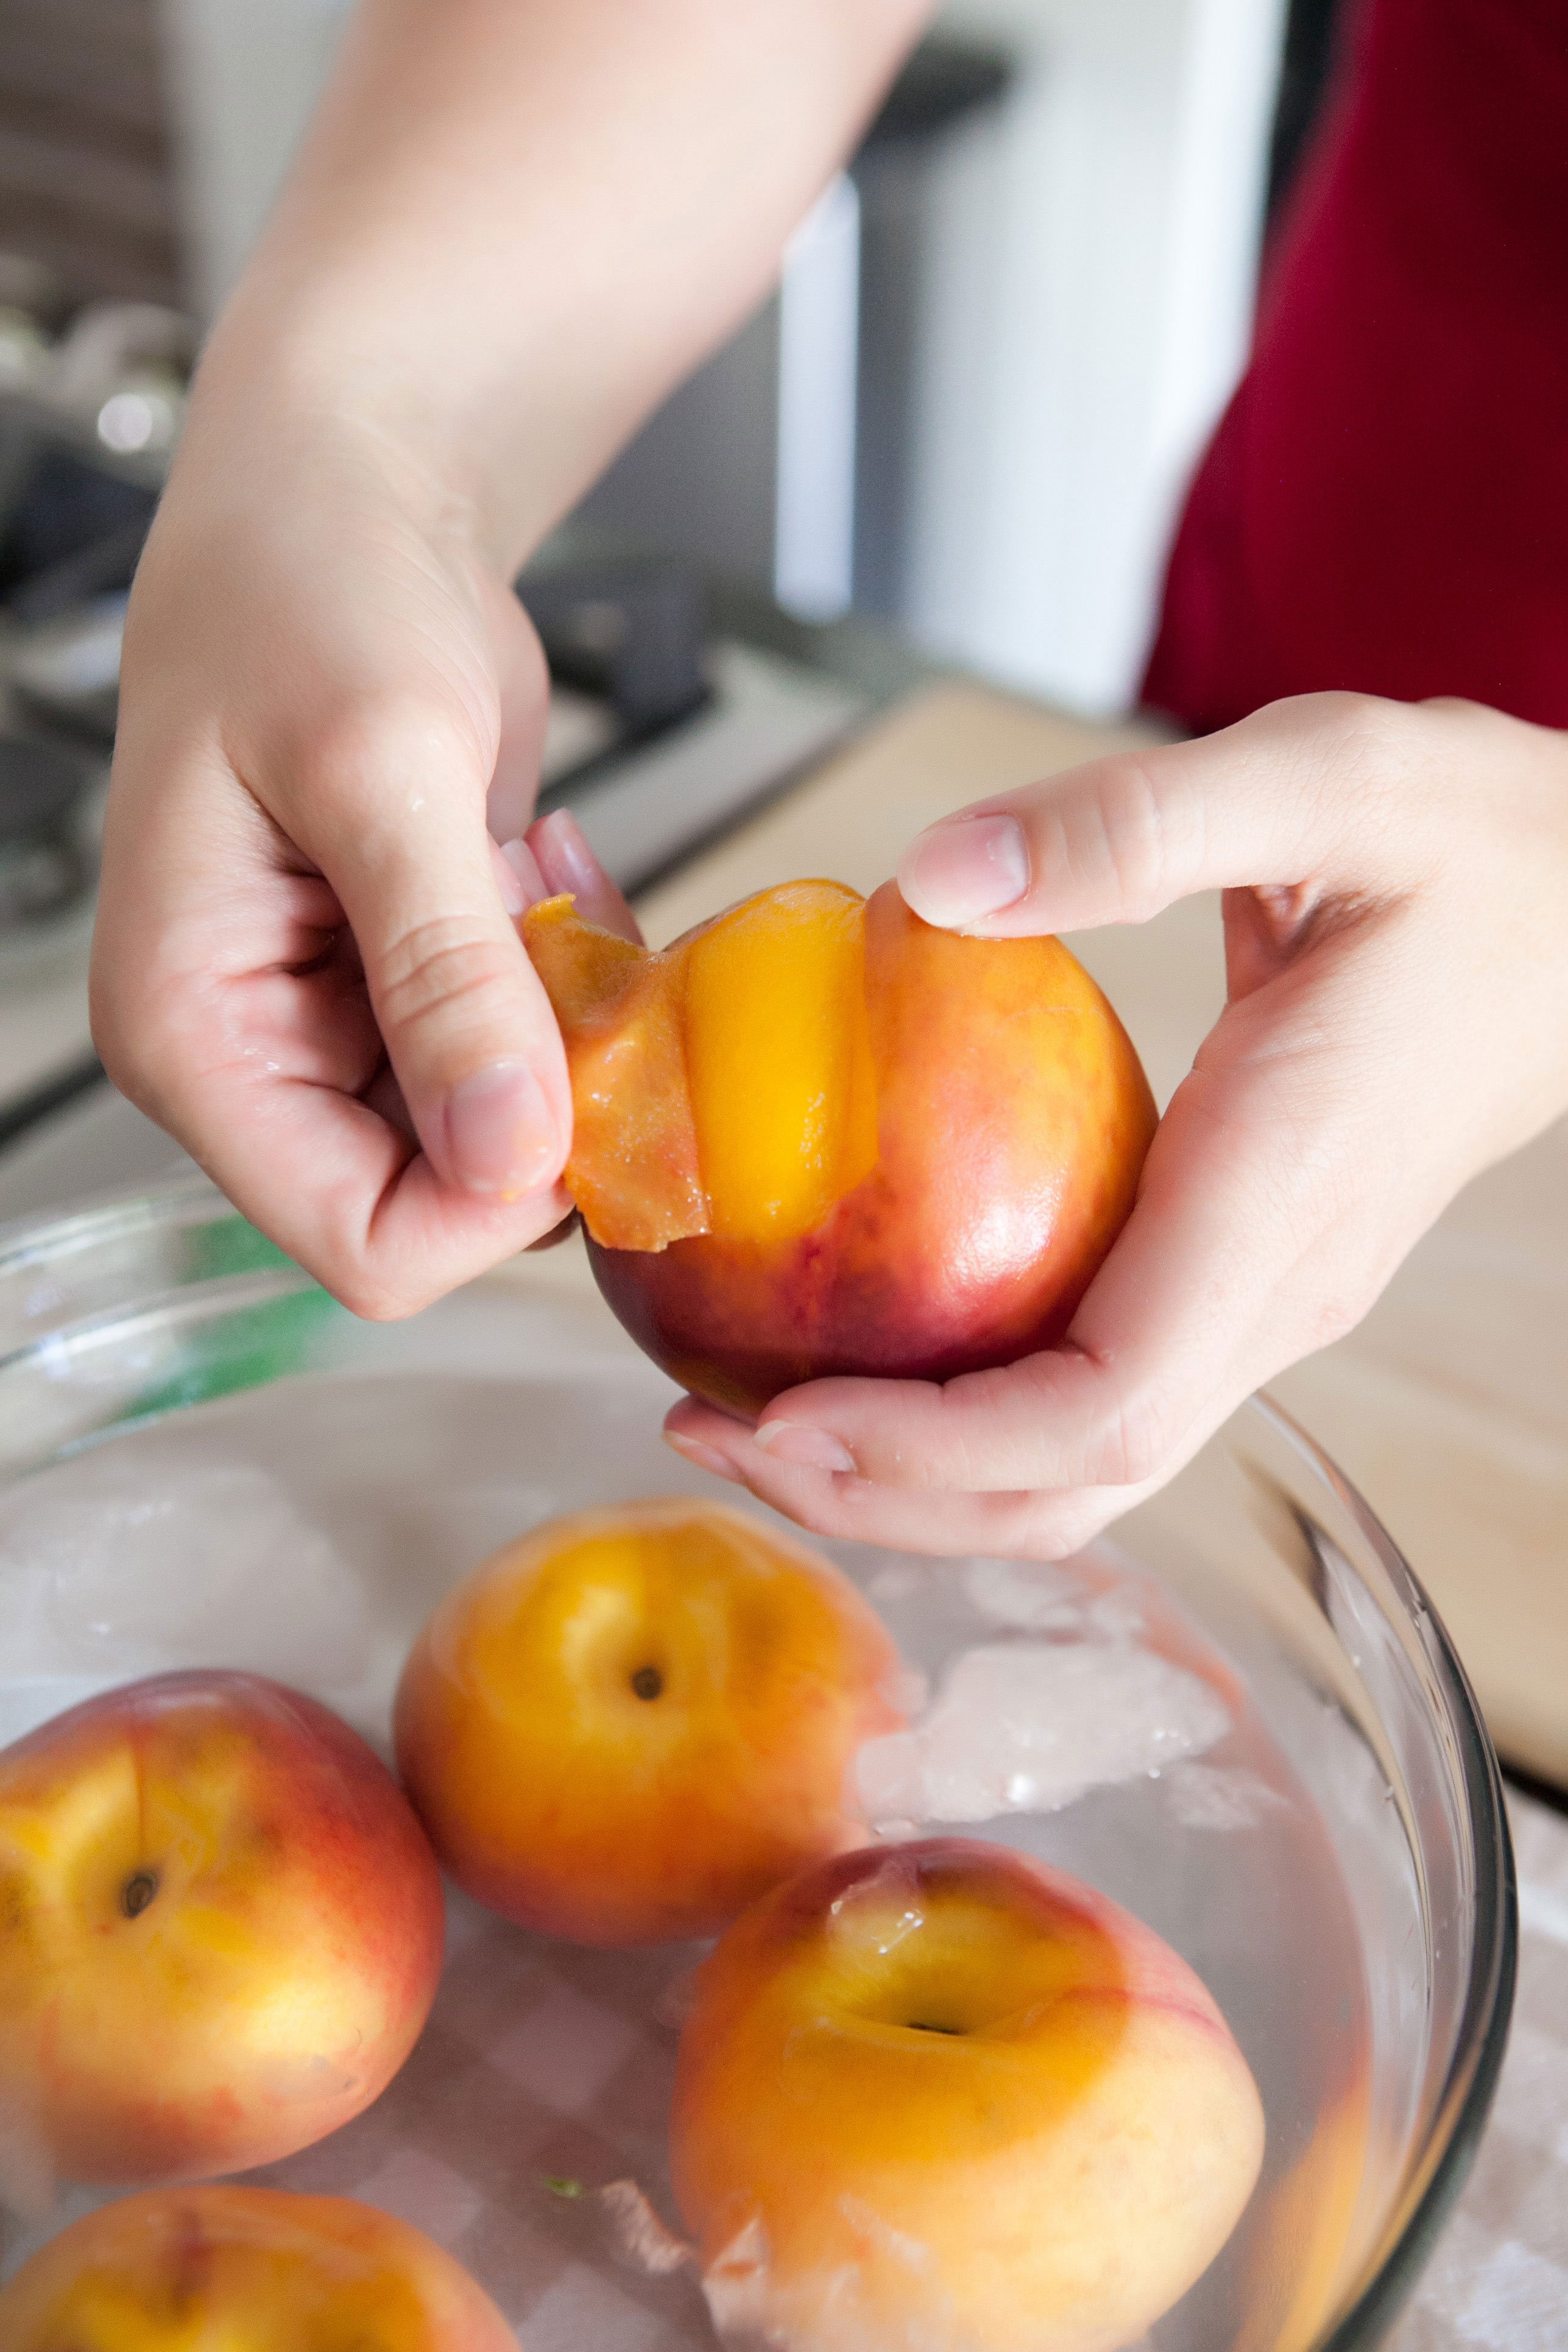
[306,1529]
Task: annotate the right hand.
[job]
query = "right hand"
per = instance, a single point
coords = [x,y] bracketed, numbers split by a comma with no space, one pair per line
[306,966]
[1395,900]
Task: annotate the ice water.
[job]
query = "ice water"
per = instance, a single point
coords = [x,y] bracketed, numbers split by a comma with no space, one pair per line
[306,1529]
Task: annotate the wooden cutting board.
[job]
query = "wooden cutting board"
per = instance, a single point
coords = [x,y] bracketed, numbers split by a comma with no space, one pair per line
[1449,1406]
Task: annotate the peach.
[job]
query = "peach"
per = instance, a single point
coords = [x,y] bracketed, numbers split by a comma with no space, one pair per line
[817,1136]
[938,2097]
[221,1928]
[258,2270]
[632,1721]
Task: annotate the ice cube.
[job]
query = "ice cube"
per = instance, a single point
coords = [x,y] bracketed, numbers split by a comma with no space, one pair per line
[1028,1727]
[111,1569]
[1035,1596]
[1220,1796]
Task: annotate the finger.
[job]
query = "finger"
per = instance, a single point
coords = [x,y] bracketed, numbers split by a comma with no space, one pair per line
[844,1507]
[567,863]
[385,1097]
[375,1225]
[518,877]
[393,813]
[1263,802]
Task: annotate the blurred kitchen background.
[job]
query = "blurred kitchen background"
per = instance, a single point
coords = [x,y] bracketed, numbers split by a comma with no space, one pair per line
[957,435]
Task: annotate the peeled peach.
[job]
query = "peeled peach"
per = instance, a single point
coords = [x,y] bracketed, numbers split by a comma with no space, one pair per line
[938,2096]
[632,1721]
[221,1928]
[817,1136]
[246,2270]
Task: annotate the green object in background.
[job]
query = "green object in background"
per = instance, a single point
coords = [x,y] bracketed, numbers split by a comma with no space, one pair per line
[248,1345]
[229,1245]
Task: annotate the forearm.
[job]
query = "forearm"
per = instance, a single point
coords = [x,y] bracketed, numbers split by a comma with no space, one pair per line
[517,224]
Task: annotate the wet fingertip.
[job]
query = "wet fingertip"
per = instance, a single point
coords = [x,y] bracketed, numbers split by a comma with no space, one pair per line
[564,859]
[518,877]
[703,1458]
[567,862]
[803,1448]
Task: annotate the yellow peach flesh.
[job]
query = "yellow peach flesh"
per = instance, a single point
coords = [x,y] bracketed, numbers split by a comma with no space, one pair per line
[778,1057]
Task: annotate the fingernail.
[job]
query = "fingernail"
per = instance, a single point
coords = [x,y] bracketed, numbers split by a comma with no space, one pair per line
[564,858]
[501,1136]
[803,1449]
[971,867]
[517,873]
[706,1458]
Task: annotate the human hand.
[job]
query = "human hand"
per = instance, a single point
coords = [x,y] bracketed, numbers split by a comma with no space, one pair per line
[1395,907]
[511,231]
[306,966]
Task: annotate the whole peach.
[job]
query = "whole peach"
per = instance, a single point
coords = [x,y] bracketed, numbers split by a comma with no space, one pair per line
[939,2096]
[258,2270]
[817,1136]
[221,1928]
[633,1720]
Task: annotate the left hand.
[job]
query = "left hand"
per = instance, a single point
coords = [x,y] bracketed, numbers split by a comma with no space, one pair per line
[1396,909]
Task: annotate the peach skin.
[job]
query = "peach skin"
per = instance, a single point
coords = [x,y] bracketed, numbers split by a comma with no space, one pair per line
[818,1136]
[633,1720]
[221,1928]
[938,2097]
[246,2270]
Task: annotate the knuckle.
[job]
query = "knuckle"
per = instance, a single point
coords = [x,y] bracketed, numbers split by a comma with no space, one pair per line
[1145,836]
[132,1042]
[360,1276]
[373,1301]
[1132,831]
[394,739]
[438,969]
[1137,1442]
[1364,735]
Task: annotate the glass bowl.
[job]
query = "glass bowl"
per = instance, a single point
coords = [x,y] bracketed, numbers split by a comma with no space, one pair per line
[204,1459]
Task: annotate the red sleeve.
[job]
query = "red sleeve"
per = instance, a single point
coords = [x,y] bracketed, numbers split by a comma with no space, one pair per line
[1384,505]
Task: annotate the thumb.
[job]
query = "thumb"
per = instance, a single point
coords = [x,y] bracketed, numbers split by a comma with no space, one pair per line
[1259,804]
[469,1030]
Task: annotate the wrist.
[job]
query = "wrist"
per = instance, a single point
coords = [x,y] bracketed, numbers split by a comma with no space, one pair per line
[297,388]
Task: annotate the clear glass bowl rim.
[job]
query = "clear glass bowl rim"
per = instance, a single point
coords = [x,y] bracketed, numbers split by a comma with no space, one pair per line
[1441,2165]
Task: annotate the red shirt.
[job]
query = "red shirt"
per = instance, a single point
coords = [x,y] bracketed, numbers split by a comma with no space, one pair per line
[1384,505]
